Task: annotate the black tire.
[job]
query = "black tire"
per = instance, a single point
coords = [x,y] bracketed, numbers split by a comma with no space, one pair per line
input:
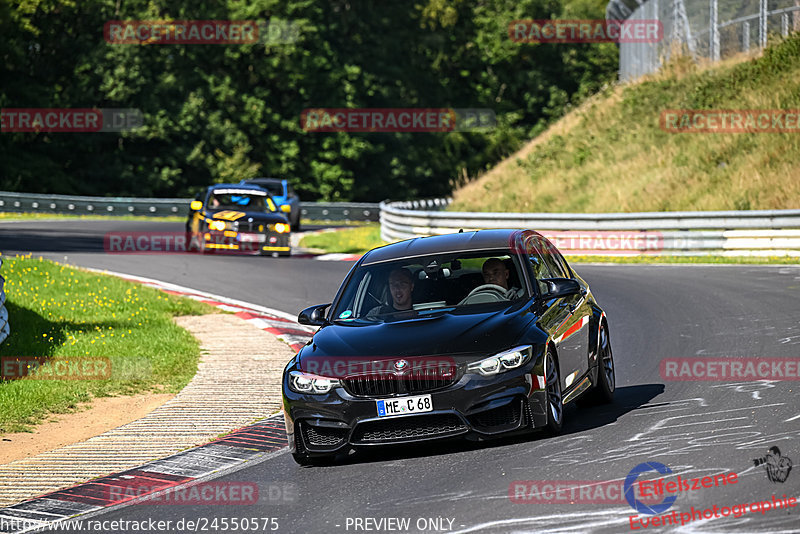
[555,400]
[603,390]
[296,225]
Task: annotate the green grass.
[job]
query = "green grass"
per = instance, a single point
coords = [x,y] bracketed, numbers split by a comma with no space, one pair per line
[360,240]
[767,260]
[611,155]
[10,216]
[350,241]
[62,313]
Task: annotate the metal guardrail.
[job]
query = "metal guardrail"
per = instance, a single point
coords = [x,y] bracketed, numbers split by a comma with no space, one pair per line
[162,207]
[705,29]
[5,328]
[691,233]
[340,211]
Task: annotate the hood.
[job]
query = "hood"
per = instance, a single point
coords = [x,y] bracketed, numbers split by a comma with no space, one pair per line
[464,337]
[237,215]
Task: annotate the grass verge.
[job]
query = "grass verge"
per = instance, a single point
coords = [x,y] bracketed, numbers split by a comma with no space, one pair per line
[611,155]
[360,240]
[349,241]
[734,260]
[60,313]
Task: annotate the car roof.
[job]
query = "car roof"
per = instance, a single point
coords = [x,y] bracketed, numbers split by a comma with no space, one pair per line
[265,180]
[235,186]
[460,242]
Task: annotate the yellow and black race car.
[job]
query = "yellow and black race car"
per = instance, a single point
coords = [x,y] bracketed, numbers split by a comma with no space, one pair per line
[234,217]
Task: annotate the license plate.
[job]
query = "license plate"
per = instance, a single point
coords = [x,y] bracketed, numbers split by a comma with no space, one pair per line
[404,406]
[251,238]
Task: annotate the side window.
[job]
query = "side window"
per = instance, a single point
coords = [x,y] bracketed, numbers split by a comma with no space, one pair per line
[553,261]
[562,262]
[540,270]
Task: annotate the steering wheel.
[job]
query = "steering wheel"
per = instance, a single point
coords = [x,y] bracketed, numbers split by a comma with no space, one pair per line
[485,293]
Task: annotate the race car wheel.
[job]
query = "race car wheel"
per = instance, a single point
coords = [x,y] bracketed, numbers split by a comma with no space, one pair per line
[555,404]
[603,390]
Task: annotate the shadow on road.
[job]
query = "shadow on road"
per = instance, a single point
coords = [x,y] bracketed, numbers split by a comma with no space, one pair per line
[576,420]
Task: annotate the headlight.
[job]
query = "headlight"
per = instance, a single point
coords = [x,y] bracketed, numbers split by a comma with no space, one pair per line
[281,228]
[510,359]
[216,224]
[301,382]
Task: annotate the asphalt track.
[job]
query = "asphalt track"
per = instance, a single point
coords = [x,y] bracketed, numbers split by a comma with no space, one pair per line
[655,312]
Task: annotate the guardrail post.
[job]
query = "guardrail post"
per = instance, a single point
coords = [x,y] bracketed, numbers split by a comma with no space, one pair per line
[746,36]
[713,38]
[762,23]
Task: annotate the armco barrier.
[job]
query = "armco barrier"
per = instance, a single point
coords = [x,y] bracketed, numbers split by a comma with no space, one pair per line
[161,207]
[5,329]
[691,233]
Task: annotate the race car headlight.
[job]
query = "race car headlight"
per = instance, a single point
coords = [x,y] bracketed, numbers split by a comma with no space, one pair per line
[510,359]
[281,228]
[217,225]
[301,382]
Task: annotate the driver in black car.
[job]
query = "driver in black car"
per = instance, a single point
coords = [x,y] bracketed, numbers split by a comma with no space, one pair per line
[495,272]
[401,284]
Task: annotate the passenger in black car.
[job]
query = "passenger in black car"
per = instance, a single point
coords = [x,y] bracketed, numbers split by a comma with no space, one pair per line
[401,284]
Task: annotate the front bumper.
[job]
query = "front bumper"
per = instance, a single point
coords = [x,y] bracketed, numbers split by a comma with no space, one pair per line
[474,406]
[254,243]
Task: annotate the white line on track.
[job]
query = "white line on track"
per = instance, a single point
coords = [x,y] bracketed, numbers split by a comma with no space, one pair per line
[227,300]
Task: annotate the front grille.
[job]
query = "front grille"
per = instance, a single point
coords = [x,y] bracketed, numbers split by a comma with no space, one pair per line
[507,415]
[324,437]
[419,380]
[408,428]
[246,227]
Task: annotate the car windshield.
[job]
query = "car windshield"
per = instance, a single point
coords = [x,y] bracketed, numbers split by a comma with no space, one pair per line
[240,200]
[274,188]
[413,287]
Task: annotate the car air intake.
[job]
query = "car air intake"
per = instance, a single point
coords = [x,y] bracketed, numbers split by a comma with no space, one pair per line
[408,428]
[323,437]
[497,418]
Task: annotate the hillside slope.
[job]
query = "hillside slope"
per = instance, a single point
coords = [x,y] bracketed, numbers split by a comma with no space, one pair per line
[611,155]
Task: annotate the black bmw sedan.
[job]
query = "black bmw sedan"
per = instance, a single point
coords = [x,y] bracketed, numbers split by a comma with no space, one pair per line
[475,334]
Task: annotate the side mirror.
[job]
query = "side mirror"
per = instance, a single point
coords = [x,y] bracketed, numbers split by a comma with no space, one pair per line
[560,287]
[313,315]
[196,205]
